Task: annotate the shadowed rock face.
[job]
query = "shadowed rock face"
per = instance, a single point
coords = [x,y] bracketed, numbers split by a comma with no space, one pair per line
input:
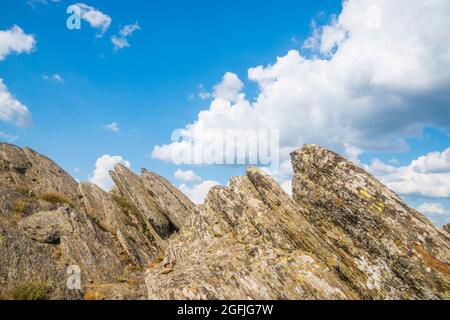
[163,207]
[127,226]
[343,235]
[447,228]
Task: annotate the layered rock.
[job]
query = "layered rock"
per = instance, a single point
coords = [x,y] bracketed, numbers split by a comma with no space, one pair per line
[447,228]
[118,217]
[400,253]
[343,235]
[346,236]
[248,241]
[25,169]
[48,223]
[163,207]
[171,202]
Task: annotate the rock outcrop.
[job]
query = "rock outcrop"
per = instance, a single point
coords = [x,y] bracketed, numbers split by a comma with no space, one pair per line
[447,228]
[343,235]
[401,254]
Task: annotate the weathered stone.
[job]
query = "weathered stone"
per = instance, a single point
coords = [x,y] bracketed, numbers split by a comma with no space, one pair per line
[47,227]
[44,229]
[447,228]
[171,201]
[248,241]
[140,245]
[25,169]
[398,251]
[343,235]
[132,188]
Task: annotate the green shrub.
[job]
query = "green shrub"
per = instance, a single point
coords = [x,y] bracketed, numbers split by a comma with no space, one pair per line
[124,205]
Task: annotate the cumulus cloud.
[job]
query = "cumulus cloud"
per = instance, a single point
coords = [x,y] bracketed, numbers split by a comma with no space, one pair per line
[436,212]
[198,192]
[103,165]
[120,41]
[11,110]
[229,88]
[427,176]
[15,40]
[114,127]
[371,86]
[376,75]
[186,176]
[93,16]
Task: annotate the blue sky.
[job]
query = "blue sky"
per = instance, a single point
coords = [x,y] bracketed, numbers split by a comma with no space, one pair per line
[74,83]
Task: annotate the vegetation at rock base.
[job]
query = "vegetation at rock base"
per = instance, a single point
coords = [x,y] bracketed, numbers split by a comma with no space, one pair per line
[55,198]
[28,291]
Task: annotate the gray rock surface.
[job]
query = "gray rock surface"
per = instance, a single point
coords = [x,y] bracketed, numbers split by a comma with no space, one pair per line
[132,188]
[401,254]
[47,226]
[343,235]
[447,228]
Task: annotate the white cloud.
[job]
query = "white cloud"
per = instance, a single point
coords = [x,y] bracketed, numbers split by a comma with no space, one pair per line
[103,165]
[11,110]
[433,209]
[436,212]
[203,94]
[198,192]
[15,40]
[33,3]
[114,127]
[186,176]
[427,176]
[352,152]
[8,137]
[121,41]
[55,77]
[93,16]
[128,30]
[373,84]
[229,89]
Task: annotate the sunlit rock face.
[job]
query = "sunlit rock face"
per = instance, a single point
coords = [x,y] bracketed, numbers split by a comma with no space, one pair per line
[343,235]
[401,254]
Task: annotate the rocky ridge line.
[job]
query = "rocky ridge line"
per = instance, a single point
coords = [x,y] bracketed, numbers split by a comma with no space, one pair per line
[342,235]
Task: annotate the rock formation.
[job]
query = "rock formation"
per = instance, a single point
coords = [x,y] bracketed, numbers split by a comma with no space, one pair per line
[343,235]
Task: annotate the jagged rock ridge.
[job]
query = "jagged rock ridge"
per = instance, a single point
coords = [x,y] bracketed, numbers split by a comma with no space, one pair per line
[342,235]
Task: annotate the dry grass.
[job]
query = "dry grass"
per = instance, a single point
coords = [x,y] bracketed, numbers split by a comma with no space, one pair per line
[57,253]
[28,291]
[19,207]
[55,198]
[24,190]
